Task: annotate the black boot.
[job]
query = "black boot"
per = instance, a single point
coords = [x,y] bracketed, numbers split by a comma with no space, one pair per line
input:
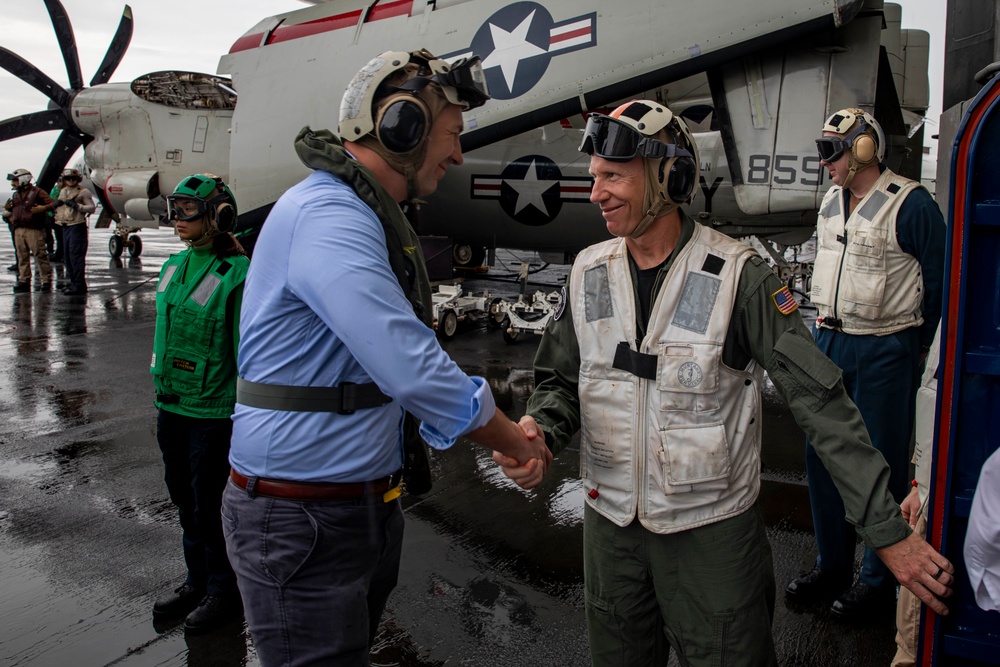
[817,586]
[184,598]
[213,612]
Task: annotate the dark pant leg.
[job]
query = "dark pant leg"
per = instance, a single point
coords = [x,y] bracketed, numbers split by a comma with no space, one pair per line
[173,435]
[715,586]
[209,471]
[624,624]
[57,231]
[314,577]
[196,467]
[75,240]
[835,538]
[888,378]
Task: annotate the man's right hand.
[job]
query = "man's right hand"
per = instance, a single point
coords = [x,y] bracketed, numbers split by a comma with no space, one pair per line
[529,474]
[521,444]
[910,507]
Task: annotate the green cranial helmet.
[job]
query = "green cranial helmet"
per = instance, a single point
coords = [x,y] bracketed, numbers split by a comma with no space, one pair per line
[211,195]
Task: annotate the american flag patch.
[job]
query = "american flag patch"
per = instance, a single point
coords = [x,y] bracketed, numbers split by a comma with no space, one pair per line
[784,301]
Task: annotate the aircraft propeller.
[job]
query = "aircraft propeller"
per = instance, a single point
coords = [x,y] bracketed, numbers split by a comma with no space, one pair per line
[58,116]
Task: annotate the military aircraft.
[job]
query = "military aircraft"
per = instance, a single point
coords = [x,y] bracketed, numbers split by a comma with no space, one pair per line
[758,76]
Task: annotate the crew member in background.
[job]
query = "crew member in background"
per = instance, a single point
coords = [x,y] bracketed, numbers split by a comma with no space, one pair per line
[53,234]
[76,203]
[26,212]
[877,286]
[335,346]
[194,369]
[658,358]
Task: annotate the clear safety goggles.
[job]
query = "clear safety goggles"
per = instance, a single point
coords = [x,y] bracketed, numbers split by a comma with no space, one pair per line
[175,212]
[462,82]
[613,140]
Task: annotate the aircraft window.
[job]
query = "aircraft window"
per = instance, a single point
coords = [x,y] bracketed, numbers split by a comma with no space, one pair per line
[186,90]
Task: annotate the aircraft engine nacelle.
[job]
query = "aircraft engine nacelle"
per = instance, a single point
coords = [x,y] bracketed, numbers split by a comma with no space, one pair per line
[134,193]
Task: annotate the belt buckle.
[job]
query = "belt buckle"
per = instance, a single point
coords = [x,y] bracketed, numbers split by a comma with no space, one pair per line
[343,387]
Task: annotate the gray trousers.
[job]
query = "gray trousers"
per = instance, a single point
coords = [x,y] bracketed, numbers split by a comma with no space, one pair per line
[314,576]
[708,592]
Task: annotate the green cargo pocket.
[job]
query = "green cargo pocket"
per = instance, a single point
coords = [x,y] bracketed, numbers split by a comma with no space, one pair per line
[802,370]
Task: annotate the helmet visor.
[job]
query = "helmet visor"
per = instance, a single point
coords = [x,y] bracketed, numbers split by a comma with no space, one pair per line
[176,212]
[462,82]
[613,140]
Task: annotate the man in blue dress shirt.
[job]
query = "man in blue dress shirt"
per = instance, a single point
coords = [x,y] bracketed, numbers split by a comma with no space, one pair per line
[335,349]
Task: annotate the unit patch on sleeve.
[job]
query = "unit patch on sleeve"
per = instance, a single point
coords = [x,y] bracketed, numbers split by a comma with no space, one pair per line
[784,301]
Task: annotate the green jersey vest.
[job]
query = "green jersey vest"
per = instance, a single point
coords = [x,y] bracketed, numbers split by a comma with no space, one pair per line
[194,366]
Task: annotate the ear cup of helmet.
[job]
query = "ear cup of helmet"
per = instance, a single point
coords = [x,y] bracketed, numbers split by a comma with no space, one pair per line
[865,149]
[681,181]
[225,217]
[403,122]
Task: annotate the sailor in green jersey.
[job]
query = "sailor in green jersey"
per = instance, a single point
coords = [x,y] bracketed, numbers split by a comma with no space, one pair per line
[658,359]
[194,369]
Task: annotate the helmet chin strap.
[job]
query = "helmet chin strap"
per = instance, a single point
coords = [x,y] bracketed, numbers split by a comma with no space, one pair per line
[658,209]
[852,168]
[211,229]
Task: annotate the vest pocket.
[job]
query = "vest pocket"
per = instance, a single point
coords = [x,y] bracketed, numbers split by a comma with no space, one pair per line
[688,377]
[694,458]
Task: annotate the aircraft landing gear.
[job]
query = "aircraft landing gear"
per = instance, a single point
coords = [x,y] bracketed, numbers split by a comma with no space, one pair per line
[467,256]
[124,237]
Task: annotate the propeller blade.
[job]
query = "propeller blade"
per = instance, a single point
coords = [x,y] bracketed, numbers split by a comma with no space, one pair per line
[67,42]
[33,76]
[39,121]
[116,51]
[62,151]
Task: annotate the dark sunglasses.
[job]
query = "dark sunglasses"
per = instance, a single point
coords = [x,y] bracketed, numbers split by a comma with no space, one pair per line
[610,139]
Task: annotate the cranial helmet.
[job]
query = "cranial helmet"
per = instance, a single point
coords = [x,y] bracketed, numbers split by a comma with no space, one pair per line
[646,129]
[391,103]
[212,196]
[19,178]
[863,140]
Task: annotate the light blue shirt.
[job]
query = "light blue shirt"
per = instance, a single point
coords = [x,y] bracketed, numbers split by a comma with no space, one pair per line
[321,306]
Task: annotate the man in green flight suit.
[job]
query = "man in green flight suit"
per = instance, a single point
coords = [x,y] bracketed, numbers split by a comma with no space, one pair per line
[658,358]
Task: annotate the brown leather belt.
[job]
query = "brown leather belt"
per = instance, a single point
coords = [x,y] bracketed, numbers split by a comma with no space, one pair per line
[316,491]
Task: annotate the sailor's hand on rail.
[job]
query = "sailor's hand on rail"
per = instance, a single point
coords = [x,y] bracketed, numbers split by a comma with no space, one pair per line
[921,569]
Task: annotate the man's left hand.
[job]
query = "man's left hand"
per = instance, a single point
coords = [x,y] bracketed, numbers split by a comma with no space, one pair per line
[925,572]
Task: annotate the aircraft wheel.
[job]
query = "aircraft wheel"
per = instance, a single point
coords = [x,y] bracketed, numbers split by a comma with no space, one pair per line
[447,325]
[509,335]
[467,255]
[134,246]
[495,316]
[116,246]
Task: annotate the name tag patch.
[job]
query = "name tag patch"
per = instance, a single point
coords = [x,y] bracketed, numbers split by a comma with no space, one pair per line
[185,365]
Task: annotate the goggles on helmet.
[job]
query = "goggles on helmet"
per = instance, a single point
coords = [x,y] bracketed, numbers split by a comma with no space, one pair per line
[831,148]
[610,139]
[174,212]
[462,82]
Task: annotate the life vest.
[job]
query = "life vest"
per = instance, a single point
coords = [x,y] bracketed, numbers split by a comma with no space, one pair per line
[676,443]
[21,215]
[863,282]
[66,216]
[194,364]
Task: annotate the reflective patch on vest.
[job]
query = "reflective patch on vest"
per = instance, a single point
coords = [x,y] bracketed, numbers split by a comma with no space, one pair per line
[597,293]
[185,365]
[690,374]
[876,201]
[697,301]
[204,292]
[167,277]
[830,209]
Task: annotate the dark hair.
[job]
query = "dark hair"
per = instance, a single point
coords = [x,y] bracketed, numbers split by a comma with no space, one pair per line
[226,245]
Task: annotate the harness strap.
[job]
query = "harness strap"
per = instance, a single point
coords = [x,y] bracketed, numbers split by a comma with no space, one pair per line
[343,399]
[636,363]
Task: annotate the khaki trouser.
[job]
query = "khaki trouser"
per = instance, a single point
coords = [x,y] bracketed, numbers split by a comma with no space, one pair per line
[908,616]
[32,242]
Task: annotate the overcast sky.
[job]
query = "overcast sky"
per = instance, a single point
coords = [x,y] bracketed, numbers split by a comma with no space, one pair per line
[193,34]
